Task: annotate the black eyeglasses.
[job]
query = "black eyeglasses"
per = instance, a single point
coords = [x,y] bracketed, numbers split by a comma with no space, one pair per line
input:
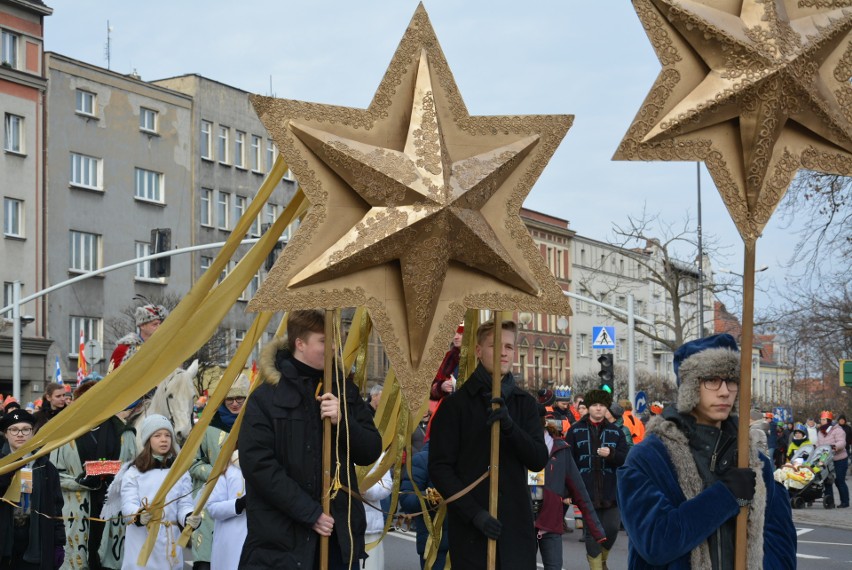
[233,400]
[20,431]
[715,383]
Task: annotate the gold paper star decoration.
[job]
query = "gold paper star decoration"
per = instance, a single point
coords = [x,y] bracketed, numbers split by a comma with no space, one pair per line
[415,209]
[756,89]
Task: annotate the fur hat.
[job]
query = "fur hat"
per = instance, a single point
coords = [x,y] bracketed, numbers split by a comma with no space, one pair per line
[240,387]
[546,397]
[153,424]
[148,313]
[593,397]
[16,417]
[716,355]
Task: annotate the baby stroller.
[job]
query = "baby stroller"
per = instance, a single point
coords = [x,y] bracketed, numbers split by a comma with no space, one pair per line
[819,462]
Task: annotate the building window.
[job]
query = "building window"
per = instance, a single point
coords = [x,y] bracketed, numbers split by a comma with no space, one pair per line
[255,227]
[206,207]
[143,268]
[9,50]
[239,208]
[240,150]
[206,262]
[149,185]
[85,102]
[85,254]
[86,171]
[13,217]
[148,120]
[270,214]
[222,150]
[582,344]
[13,141]
[640,351]
[270,154]
[255,153]
[207,140]
[620,344]
[9,293]
[222,210]
[91,327]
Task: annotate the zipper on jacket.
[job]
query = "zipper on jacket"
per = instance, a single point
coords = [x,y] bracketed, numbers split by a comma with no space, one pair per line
[715,453]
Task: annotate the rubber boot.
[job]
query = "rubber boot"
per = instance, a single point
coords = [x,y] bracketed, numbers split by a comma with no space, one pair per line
[604,556]
[595,563]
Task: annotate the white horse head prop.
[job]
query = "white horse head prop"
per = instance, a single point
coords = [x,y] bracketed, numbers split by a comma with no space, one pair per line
[174,398]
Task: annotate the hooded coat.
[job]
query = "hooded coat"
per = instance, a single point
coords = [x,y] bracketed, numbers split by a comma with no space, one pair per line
[280,445]
[460,449]
[670,515]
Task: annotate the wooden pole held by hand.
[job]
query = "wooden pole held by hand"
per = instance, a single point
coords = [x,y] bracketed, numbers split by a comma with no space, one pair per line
[328,375]
[496,377]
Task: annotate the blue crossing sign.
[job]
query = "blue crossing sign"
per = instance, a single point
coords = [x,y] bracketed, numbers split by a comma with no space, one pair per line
[603,337]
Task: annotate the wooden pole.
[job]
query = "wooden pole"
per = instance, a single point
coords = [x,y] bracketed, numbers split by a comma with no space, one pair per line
[328,372]
[496,378]
[746,344]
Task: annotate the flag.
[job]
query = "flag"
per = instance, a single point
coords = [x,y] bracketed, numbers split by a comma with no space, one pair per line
[253,375]
[82,369]
[58,375]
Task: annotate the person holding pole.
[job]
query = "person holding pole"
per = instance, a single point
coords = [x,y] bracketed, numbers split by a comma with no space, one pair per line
[681,490]
[460,455]
[281,448]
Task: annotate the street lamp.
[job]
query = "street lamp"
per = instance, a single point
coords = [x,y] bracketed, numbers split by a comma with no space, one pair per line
[740,275]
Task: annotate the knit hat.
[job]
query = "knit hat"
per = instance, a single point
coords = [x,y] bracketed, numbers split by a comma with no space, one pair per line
[563,394]
[153,424]
[16,417]
[616,410]
[712,356]
[546,397]
[148,313]
[240,387]
[755,416]
[593,397]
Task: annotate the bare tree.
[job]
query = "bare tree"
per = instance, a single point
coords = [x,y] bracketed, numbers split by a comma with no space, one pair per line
[659,248]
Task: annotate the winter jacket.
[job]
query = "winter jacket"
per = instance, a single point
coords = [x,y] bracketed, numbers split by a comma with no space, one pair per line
[670,513]
[139,489]
[562,480]
[636,427]
[460,447]
[45,534]
[374,495]
[230,525]
[598,472]
[835,436]
[280,445]
[409,503]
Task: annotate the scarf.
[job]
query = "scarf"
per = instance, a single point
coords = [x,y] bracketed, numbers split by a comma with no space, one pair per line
[226,417]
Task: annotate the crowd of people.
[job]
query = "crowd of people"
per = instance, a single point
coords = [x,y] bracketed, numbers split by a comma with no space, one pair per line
[566,463]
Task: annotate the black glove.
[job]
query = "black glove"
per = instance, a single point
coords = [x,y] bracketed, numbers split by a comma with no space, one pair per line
[92,481]
[240,504]
[501,415]
[487,525]
[740,482]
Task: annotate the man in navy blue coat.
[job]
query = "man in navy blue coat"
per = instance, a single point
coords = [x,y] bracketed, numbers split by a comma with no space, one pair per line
[680,490]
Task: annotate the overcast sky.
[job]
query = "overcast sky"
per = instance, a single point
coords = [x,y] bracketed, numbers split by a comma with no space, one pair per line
[587,58]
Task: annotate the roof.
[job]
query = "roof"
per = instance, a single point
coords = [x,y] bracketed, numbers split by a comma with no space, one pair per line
[34,5]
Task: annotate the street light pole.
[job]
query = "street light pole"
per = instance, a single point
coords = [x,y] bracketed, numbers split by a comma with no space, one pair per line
[700,257]
[16,340]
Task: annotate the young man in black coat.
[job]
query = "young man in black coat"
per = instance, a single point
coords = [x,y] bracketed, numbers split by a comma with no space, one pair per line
[28,540]
[460,453]
[280,447]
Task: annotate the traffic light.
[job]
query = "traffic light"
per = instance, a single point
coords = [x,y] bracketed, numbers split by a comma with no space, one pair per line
[846,373]
[607,372]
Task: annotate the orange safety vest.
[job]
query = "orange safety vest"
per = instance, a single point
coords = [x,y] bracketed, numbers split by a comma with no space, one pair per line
[636,427]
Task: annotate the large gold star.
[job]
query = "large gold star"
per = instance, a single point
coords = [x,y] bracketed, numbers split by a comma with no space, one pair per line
[414,208]
[756,90]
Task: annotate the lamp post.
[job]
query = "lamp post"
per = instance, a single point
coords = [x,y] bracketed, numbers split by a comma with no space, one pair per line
[700,256]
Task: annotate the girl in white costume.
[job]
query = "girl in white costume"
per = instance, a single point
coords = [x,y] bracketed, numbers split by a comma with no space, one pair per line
[227,506]
[140,483]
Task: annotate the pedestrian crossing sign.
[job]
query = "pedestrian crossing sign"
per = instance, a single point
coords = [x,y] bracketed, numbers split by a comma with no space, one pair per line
[603,337]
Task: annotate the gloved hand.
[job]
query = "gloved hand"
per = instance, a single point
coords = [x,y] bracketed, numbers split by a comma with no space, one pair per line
[58,556]
[487,525]
[143,518]
[240,504]
[501,415]
[91,482]
[193,520]
[740,482]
